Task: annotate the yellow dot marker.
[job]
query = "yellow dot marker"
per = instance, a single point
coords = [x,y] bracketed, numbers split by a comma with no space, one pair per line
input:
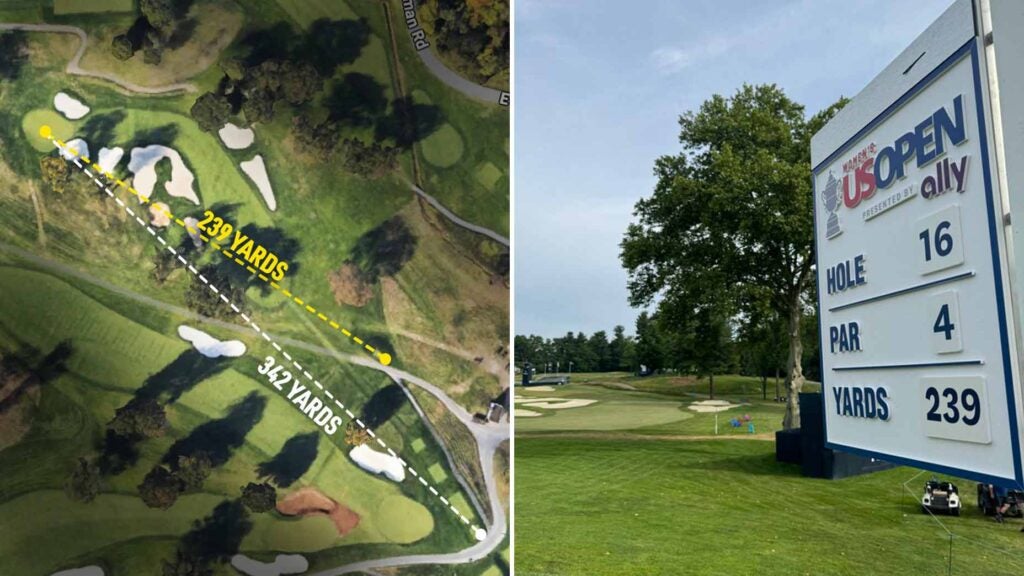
[45,131]
[384,358]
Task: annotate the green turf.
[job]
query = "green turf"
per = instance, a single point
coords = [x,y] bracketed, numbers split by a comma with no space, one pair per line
[418,445]
[443,147]
[488,175]
[437,472]
[610,506]
[34,520]
[91,6]
[61,128]
[305,12]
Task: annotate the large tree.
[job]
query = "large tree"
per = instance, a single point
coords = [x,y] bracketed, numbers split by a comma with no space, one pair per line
[730,222]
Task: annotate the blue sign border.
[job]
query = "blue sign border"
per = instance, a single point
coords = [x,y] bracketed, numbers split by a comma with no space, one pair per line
[969,48]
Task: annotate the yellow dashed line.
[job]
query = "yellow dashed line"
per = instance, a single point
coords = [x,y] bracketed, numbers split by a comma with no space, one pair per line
[383,357]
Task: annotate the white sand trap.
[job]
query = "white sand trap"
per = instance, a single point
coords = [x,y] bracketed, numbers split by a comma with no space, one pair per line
[520,412]
[378,462]
[192,229]
[539,389]
[84,571]
[109,158]
[283,564]
[708,406]
[209,346]
[158,214]
[143,165]
[78,145]
[71,108]
[559,403]
[257,172]
[236,137]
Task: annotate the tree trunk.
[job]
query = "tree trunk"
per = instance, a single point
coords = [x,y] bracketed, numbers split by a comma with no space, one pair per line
[777,397]
[794,370]
[764,387]
[711,385]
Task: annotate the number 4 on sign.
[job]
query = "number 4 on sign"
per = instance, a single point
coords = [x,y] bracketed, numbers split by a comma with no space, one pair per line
[944,316]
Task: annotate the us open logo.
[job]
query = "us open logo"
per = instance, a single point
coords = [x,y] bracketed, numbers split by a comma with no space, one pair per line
[856,185]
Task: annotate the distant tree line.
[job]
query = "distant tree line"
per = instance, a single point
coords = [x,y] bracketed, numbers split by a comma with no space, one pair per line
[707,346]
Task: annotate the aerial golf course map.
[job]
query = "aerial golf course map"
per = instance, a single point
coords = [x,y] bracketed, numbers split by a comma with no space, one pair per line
[254,288]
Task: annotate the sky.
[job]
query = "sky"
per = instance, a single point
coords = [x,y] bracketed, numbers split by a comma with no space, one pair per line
[599,88]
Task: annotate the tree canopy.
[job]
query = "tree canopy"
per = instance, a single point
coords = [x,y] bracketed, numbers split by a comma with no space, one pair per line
[729,225]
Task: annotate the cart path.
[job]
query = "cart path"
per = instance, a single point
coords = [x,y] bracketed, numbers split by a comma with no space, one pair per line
[489,437]
[459,221]
[73,66]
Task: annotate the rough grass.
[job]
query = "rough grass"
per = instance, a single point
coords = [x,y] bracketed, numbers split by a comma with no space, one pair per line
[614,506]
[61,7]
[305,12]
[216,24]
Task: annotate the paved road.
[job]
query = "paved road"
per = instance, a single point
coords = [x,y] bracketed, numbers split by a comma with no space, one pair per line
[447,75]
[459,221]
[489,437]
[74,67]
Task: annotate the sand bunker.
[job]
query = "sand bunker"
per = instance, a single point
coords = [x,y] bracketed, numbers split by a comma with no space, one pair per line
[71,108]
[539,389]
[109,158]
[708,406]
[192,229]
[236,137]
[209,346]
[558,403]
[158,214]
[378,462]
[143,165]
[283,564]
[518,412]
[310,501]
[257,172]
[84,571]
[78,145]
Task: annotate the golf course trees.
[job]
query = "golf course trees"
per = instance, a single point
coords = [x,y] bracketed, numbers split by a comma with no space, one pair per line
[160,488]
[56,173]
[141,418]
[730,222]
[211,111]
[84,483]
[650,346]
[259,497]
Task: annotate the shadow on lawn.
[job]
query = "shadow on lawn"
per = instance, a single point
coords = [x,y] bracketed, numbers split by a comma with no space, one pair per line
[294,460]
[384,403]
[218,439]
[755,465]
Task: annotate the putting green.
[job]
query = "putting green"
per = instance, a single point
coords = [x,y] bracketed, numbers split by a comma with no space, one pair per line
[60,127]
[418,445]
[604,415]
[488,175]
[410,520]
[443,148]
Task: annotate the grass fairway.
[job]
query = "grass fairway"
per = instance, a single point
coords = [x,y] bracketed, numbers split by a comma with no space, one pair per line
[663,498]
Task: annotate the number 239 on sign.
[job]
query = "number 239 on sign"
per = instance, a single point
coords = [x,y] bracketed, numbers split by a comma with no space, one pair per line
[955,408]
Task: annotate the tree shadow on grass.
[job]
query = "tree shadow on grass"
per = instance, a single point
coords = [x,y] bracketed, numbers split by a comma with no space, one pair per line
[26,368]
[100,130]
[220,438]
[409,122]
[384,404]
[13,53]
[333,43]
[294,460]
[754,465]
[357,101]
[180,376]
[164,135]
[218,537]
[274,240]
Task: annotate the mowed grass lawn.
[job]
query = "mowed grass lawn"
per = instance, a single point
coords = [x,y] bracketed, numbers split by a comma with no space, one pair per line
[626,506]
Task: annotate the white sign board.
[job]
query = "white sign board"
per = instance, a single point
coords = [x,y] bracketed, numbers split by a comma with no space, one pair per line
[918,355]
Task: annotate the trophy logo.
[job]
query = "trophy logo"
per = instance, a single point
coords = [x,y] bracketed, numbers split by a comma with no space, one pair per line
[830,197]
